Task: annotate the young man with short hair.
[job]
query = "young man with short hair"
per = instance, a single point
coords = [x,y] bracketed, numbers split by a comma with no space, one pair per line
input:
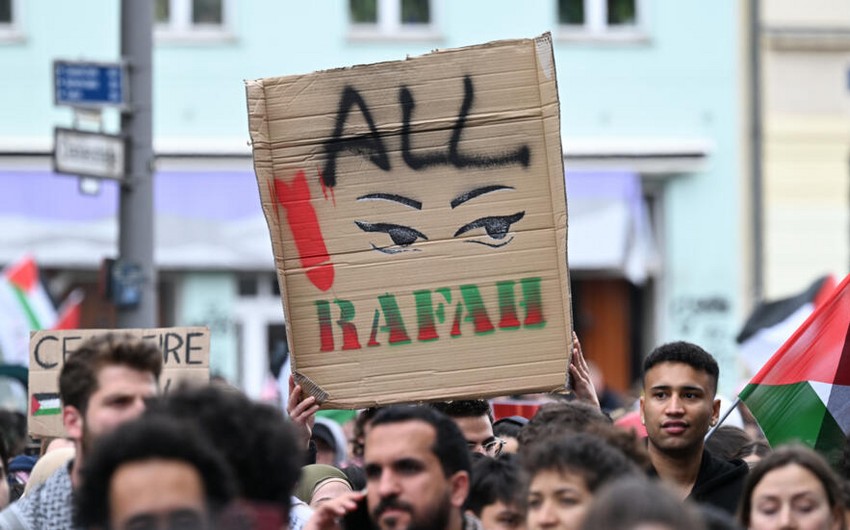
[103,384]
[678,406]
[475,420]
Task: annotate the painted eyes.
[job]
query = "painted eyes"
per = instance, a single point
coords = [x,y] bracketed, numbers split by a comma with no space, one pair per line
[496,228]
[401,236]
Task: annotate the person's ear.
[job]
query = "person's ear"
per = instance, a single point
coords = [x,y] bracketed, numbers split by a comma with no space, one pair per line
[73,421]
[460,488]
[715,412]
[642,417]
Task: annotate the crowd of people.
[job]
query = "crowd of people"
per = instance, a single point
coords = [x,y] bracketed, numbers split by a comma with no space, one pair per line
[205,457]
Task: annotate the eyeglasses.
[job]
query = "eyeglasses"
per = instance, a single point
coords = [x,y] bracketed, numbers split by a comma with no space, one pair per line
[492,447]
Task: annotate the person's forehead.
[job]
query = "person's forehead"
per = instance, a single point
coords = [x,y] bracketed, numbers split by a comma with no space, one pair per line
[673,373]
[118,374]
[156,484]
[555,479]
[401,439]
[791,479]
[475,428]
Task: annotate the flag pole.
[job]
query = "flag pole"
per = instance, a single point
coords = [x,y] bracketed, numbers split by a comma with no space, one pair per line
[726,415]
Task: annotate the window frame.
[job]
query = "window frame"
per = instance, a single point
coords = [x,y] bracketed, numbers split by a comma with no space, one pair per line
[12,31]
[180,27]
[390,27]
[596,27]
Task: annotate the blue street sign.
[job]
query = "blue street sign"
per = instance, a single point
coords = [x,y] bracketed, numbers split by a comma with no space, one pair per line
[88,84]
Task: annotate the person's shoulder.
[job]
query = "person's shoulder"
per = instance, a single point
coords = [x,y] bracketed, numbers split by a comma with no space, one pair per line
[18,515]
[717,468]
[59,483]
[716,474]
[50,505]
[720,482]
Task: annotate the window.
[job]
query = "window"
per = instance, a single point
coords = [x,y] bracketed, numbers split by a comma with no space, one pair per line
[9,20]
[600,18]
[5,12]
[192,19]
[392,18]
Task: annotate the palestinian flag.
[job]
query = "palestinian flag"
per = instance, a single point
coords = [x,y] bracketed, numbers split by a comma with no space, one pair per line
[771,323]
[32,298]
[45,404]
[24,306]
[803,392]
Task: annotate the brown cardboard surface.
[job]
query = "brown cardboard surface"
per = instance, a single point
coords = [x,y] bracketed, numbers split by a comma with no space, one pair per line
[418,218]
[186,356]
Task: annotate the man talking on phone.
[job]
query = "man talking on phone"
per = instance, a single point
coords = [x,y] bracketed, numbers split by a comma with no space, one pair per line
[417,476]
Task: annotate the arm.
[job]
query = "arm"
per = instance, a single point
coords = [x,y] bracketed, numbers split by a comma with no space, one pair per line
[581,385]
[329,515]
[302,411]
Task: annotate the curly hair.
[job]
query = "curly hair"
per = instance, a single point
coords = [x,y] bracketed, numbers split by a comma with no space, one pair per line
[583,454]
[255,438]
[557,419]
[464,408]
[143,439]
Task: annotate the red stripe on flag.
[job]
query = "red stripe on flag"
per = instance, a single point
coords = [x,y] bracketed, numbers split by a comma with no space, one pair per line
[23,274]
[814,351]
[70,314]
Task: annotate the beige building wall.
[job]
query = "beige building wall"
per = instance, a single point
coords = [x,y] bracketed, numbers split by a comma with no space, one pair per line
[806,106]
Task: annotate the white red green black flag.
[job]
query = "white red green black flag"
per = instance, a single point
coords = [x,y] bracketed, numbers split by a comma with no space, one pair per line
[803,392]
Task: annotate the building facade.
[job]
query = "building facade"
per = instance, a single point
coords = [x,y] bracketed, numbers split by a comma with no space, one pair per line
[653,112]
[806,108]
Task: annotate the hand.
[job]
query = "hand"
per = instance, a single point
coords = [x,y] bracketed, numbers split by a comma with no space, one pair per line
[329,514]
[302,411]
[582,385]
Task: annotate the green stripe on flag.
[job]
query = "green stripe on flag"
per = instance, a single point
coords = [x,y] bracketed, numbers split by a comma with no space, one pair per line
[831,441]
[786,413]
[795,413]
[25,305]
[44,411]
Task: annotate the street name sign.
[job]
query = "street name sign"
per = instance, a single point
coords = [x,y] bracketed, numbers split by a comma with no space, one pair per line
[90,84]
[89,154]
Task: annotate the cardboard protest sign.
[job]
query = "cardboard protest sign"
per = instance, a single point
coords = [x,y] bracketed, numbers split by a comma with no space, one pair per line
[418,218]
[185,355]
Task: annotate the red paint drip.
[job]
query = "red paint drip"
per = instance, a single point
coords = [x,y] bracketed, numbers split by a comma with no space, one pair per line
[301,217]
[322,184]
[326,188]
